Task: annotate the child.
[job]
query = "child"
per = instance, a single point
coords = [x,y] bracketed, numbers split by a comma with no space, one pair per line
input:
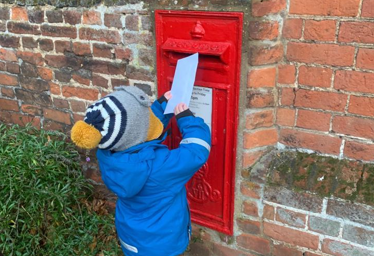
[152,213]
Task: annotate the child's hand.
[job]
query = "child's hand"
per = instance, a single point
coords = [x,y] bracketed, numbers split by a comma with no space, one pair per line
[180,108]
[168,95]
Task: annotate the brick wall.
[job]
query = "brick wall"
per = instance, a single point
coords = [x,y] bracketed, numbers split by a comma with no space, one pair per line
[307,84]
[54,62]
[326,81]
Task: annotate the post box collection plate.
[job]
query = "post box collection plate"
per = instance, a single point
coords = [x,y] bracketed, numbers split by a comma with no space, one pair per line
[217,37]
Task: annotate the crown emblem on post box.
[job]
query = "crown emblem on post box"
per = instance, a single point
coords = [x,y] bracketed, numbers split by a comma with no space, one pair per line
[198,31]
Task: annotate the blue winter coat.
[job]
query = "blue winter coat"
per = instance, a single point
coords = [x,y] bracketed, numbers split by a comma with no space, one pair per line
[152,213]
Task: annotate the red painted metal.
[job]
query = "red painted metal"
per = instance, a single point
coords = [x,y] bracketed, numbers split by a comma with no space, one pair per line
[217,36]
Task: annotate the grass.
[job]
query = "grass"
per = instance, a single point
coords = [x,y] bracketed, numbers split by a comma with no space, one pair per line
[46,205]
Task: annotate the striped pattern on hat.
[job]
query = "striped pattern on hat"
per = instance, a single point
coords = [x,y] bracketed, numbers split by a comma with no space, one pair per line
[109,117]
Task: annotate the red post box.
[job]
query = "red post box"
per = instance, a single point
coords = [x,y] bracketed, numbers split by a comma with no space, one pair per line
[216,36]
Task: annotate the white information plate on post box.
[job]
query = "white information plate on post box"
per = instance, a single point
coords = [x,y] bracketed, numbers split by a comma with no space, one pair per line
[201,104]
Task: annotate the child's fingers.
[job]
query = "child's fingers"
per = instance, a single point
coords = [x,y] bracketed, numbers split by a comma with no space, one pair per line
[168,95]
[180,108]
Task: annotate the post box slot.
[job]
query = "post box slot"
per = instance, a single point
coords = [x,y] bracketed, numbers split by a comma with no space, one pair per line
[218,49]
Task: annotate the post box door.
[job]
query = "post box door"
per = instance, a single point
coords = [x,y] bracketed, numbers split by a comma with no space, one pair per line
[216,36]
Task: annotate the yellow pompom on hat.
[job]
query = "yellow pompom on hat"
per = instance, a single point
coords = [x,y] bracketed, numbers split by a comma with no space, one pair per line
[118,121]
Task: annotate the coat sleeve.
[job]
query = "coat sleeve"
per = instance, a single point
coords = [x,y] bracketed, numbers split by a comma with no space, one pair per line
[193,152]
[158,108]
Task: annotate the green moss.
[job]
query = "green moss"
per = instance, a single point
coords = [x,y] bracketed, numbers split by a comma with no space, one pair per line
[325,176]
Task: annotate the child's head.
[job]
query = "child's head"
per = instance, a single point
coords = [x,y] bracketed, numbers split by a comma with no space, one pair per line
[118,121]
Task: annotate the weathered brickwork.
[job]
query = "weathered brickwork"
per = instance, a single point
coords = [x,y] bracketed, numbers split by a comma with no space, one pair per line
[306,83]
[329,46]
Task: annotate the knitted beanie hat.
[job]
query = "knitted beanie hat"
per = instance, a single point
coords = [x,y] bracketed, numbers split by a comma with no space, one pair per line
[118,121]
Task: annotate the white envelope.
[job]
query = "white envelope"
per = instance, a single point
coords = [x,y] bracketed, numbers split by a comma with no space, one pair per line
[184,79]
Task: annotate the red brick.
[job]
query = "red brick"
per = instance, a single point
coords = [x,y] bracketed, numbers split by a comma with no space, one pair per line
[367,9]
[325,8]
[313,120]
[31,110]
[263,30]
[361,105]
[103,35]
[46,45]
[76,118]
[311,254]
[45,73]
[16,118]
[7,55]
[132,22]
[268,212]
[82,93]
[77,106]
[29,42]
[365,58]
[250,208]
[58,116]
[102,50]
[35,15]
[262,55]
[81,49]
[23,28]
[7,92]
[8,80]
[291,218]
[99,81]
[257,99]
[359,32]
[249,158]
[11,105]
[292,28]
[54,88]
[354,81]
[62,46]
[291,236]
[59,31]
[353,126]
[286,74]
[80,79]
[286,117]
[72,17]
[92,18]
[359,151]
[56,61]
[54,16]
[260,119]
[338,248]
[313,76]
[254,243]
[13,68]
[249,226]
[221,250]
[321,143]
[113,20]
[326,54]
[4,13]
[320,30]
[262,77]
[260,138]
[321,100]
[250,189]
[288,96]
[19,14]
[282,250]
[30,57]
[123,54]
[262,8]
